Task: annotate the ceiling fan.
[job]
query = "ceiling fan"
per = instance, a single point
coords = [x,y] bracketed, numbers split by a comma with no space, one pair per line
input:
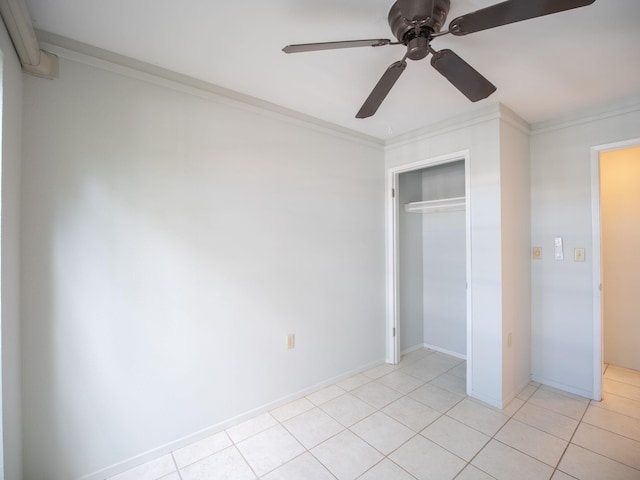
[416,22]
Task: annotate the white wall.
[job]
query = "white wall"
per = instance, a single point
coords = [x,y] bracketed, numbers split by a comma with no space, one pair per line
[444,244]
[620,207]
[516,257]
[10,321]
[410,275]
[445,272]
[562,291]
[171,242]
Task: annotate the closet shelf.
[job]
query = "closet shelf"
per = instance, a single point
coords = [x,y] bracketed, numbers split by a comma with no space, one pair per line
[433,206]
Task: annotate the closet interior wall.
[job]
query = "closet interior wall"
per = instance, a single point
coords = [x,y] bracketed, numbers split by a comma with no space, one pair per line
[432,261]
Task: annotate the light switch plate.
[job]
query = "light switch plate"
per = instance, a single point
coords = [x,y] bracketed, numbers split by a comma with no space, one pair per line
[559,254]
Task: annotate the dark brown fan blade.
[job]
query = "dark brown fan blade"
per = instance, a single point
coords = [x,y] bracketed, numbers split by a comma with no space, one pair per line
[310,47]
[462,75]
[416,10]
[382,89]
[510,11]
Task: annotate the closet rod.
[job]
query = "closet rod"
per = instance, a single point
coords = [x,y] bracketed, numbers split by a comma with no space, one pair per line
[434,206]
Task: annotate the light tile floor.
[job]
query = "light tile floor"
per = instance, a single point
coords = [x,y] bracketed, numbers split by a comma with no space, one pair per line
[413,421]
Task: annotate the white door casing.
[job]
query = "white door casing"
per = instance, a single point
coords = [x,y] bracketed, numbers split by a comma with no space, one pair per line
[393,320]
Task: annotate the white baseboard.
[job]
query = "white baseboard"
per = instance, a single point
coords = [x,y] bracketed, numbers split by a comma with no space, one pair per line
[411,349]
[561,386]
[444,350]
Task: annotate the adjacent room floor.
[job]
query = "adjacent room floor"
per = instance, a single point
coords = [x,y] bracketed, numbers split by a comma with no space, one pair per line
[413,421]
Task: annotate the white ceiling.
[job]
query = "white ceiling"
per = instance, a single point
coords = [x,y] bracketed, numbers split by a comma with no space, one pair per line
[543,68]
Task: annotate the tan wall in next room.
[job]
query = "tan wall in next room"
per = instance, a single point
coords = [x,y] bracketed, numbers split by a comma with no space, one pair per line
[620,203]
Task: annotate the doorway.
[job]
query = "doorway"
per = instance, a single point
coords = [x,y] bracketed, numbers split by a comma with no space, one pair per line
[616,234]
[620,207]
[428,257]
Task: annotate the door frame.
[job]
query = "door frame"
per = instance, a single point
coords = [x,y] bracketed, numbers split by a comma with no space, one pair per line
[393,352]
[596,236]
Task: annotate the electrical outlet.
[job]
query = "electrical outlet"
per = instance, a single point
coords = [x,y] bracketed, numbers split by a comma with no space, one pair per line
[291,340]
[537,253]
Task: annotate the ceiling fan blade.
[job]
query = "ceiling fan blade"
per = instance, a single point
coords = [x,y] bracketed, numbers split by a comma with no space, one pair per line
[416,10]
[510,11]
[311,47]
[382,89]
[462,75]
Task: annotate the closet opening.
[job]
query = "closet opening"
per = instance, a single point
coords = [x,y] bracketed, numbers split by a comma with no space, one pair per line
[429,258]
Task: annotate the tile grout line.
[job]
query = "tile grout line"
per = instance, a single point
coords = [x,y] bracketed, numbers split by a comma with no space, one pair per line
[235,445]
[570,440]
[524,402]
[176,465]
[607,429]
[415,434]
[377,410]
[441,414]
[602,454]
[419,434]
[384,457]
[308,450]
[624,398]
[591,403]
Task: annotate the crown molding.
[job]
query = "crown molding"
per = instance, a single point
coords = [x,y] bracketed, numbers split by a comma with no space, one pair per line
[495,111]
[482,115]
[512,118]
[106,60]
[613,109]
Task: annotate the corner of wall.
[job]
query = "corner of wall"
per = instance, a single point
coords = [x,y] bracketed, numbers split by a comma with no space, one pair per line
[510,117]
[516,239]
[10,361]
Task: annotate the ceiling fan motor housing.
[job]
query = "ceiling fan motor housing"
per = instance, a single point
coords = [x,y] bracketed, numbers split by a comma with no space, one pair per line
[418,48]
[427,17]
